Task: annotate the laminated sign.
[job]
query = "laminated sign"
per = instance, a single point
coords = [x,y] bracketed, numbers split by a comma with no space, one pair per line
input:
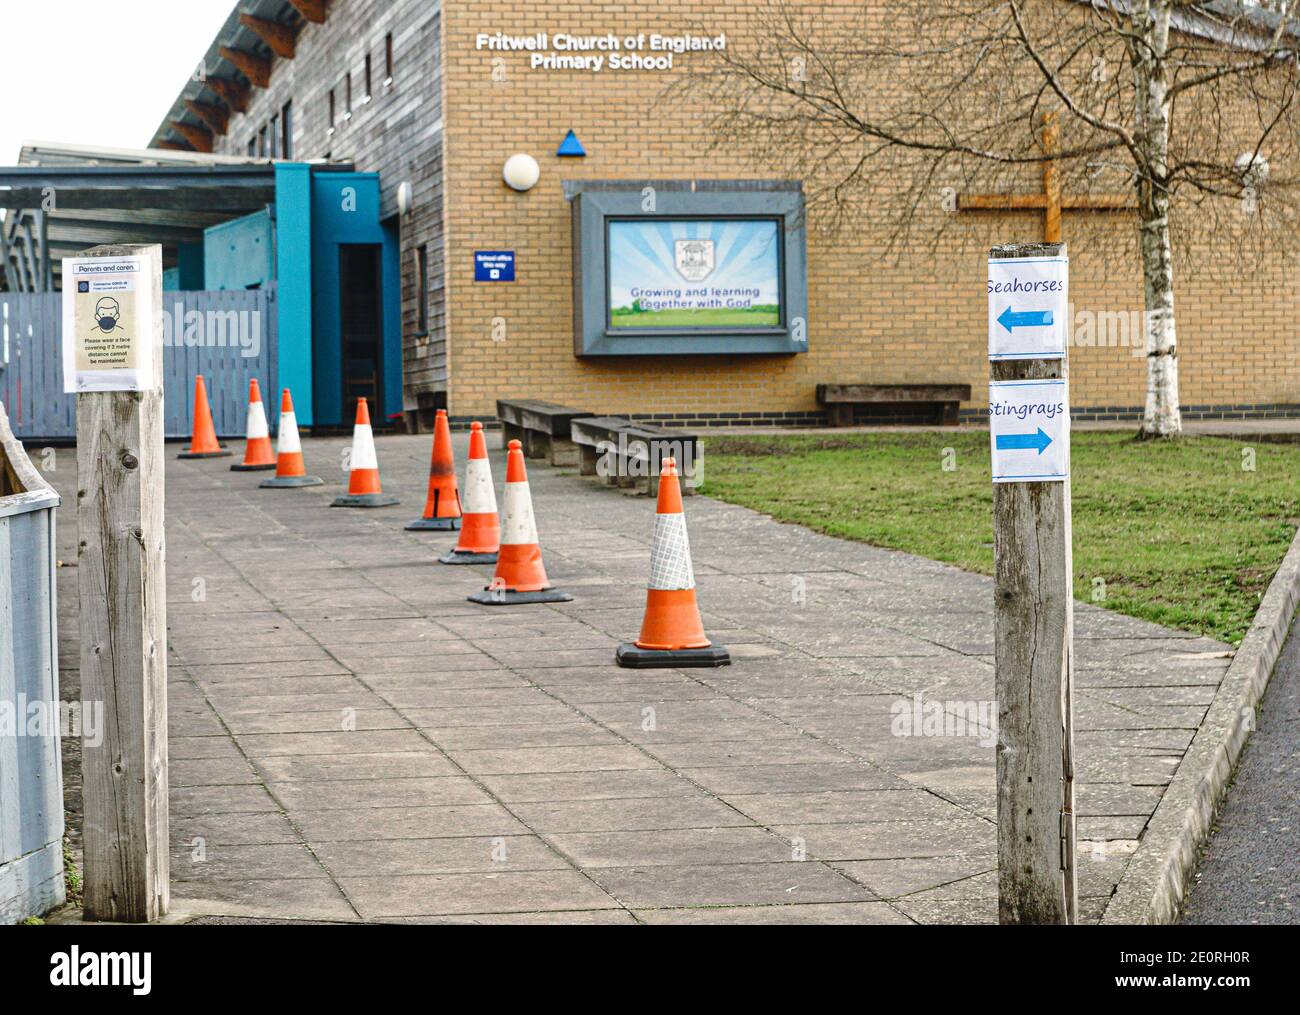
[1029,429]
[1028,307]
[108,324]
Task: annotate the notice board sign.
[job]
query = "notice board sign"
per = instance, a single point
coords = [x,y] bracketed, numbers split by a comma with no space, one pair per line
[689,267]
[108,324]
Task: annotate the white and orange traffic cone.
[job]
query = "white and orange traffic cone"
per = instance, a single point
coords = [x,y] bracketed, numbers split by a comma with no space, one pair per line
[480,529]
[520,576]
[289,468]
[364,489]
[672,633]
[442,509]
[203,436]
[258,455]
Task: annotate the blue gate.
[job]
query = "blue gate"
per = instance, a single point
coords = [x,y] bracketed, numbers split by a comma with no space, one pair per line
[228,336]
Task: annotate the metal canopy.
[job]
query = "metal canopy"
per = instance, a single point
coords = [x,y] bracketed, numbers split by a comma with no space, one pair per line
[63,199]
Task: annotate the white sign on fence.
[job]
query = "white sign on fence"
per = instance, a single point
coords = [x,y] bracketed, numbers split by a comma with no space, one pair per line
[1028,307]
[1029,429]
[108,324]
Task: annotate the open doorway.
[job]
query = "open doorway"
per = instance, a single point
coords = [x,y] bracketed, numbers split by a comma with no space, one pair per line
[361,323]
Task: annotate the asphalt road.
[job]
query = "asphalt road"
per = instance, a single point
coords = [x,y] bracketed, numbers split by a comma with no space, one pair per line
[1250,872]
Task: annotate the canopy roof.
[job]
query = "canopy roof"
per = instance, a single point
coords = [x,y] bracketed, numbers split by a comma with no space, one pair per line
[64,198]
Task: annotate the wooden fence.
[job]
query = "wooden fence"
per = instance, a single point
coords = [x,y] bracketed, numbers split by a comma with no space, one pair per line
[31,783]
[228,336]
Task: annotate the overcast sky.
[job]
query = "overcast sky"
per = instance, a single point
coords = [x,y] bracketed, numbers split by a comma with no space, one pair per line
[100,72]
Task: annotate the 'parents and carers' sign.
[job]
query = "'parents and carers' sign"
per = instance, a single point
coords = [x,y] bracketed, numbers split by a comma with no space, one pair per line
[108,324]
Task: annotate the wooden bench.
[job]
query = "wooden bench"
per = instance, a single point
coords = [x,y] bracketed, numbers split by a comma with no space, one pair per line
[630,455]
[542,428]
[589,434]
[840,399]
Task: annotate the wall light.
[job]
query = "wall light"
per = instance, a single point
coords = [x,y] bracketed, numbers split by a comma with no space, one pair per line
[521,172]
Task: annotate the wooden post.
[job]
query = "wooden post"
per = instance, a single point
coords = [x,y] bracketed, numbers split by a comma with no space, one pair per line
[1034,634]
[122,608]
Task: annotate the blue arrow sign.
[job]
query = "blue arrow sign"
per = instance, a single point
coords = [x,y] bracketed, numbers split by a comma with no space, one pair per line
[1024,319]
[1024,441]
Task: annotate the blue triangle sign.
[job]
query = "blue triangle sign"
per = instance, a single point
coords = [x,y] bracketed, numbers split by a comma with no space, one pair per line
[571,146]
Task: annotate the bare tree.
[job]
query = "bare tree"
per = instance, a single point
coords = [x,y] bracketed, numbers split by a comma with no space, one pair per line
[1188,109]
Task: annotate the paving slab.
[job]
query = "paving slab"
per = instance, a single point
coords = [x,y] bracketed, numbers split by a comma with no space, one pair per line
[339,794]
[247,828]
[869,913]
[483,819]
[671,847]
[241,862]
[450,894]
[463,855]
[731,884]
[552,787]
[571,917]
[351,740]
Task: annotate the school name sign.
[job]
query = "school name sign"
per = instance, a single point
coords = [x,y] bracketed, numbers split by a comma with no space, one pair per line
[609,51]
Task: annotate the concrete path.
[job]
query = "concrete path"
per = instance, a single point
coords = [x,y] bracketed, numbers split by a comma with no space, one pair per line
[1248,870]
[352,740]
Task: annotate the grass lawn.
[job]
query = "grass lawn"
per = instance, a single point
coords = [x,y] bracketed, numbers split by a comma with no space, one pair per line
[1179,533]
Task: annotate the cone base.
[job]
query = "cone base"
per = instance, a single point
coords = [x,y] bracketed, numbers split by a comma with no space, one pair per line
[365,500]
[504,597]
[435,525]
[204,454]
[467,557]
[635,658]
[289,482]
[241,467]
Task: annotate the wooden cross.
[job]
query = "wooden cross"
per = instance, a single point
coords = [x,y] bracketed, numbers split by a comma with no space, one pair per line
[1051,201]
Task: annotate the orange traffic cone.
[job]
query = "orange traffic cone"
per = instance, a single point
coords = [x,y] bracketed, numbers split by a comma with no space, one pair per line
[480,533]
[520,576]
[289,468]
[363,479]
[442,505]
[258,455]
[672,633]
[203,441]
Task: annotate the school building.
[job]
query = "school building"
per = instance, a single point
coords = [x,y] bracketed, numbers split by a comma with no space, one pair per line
[469,200]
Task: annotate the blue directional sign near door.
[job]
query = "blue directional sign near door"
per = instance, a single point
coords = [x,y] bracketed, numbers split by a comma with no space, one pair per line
[494,266]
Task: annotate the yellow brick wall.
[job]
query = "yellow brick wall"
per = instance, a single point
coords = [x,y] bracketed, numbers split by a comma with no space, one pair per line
[915,318]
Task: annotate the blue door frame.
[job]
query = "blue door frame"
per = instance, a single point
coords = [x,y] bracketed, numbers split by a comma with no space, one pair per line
[317,212]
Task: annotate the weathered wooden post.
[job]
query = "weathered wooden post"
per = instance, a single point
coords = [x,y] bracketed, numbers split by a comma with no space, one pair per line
[1029,424]
[112,345]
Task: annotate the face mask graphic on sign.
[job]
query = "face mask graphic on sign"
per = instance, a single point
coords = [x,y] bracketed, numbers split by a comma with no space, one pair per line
[107,313]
